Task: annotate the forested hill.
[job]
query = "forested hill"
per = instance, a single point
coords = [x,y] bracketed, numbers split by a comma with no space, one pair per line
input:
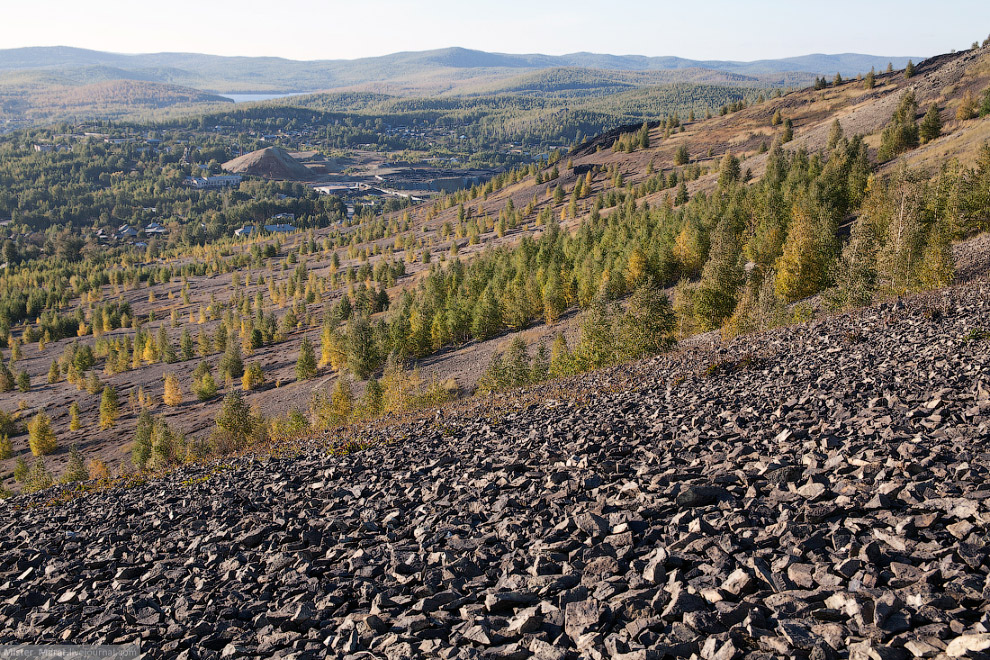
[49,85]
[408,70]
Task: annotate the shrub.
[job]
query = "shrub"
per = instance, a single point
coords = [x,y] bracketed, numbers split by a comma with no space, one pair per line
[968,107]
[254,377]
[204,387]
[76,469]
[8,423]
[38,478]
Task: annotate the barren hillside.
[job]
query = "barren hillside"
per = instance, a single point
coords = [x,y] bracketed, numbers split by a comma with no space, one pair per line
[819,491]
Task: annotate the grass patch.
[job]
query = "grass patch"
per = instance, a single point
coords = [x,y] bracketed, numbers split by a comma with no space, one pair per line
[726,367]
[977,334]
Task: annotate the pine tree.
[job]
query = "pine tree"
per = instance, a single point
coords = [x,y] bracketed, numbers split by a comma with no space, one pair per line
[495,377]
[487,318]
[54,373]
[231,365]
[93,384]
[596,347]
[728,171]
[362,355]
[637,266]
[554,302]
[909,70]
[166,351]
[931,125]
[721,278]
[21,470]
[681,155]
[74,423]
[186,345]
[38,478]
[306,364]
[834,135]
[333,344]
[204,386]
[802,269]
[374,398]
[75,470]
[172,395]
[7,381]
[166,444]
[41,437]
[203,344]
[6,447]
[937,267]
[647,325]
[561,359]
[901,132]
[517,362]
[141,448]
[644,136]
[23,382]
[341,401]
[870,81]
[234,418]
[109,408]
[788,134]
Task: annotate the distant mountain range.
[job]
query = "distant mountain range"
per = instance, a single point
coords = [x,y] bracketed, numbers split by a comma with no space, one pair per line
[444,71]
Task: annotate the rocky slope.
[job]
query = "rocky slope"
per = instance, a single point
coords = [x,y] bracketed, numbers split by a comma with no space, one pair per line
[819,491]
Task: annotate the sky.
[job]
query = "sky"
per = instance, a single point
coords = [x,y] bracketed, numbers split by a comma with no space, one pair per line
[311,29]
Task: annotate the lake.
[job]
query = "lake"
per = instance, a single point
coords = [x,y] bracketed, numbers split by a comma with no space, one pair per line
[250,98]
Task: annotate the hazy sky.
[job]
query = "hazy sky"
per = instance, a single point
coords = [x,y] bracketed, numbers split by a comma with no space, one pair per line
[310,29]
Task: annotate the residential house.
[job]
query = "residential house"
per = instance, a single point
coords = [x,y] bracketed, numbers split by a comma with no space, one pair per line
[126,231]
[155,229]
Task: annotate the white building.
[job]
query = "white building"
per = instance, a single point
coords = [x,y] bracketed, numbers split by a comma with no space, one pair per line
[214,182]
